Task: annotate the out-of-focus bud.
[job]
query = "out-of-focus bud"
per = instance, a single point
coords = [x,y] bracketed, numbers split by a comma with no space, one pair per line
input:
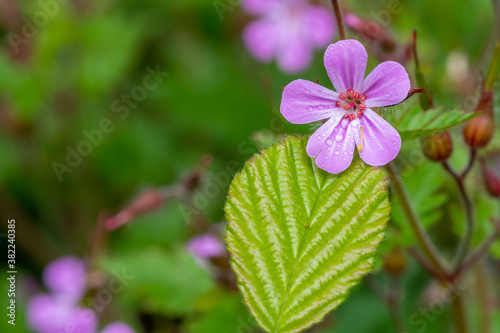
[147,201]
[395,262]
[371,30]
[491,181]
[479,130]
[437,147]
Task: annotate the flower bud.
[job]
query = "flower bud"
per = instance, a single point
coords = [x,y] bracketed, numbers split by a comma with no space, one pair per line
[437,147]
[479,130]
[491,181]
[395,262]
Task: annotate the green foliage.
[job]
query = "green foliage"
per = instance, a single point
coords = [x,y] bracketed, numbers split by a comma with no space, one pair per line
[165,283]
[422,180]
[414,123]
[225,312]
[301,238]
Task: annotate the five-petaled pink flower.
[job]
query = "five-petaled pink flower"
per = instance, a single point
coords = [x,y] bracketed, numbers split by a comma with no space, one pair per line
[351,121]
[287,30]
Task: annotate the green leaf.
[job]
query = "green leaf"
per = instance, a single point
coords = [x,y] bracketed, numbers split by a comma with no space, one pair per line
[301,238]
[415,123]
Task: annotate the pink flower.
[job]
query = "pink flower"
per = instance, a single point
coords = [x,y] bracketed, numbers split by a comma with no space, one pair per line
[351,122]
[58,311]
[206,246]
[287,30]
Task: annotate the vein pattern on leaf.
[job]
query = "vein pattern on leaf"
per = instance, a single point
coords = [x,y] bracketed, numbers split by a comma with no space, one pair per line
[301,238]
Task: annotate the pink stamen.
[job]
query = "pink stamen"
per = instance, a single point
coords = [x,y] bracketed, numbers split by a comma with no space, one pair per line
[338,104]
[350,92]
[359,114]
[355,95]
[362,98]
[342,96]
[346,116]
[362,107]
[347,106]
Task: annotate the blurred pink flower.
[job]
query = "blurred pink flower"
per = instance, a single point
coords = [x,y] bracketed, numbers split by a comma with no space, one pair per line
[288,31]
[206,246]
[350,121]
[58,311]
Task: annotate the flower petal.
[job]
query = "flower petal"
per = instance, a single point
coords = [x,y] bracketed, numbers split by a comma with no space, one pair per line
[47,314]
[321,25]
[295,53]
[304,102]
[66,278]
[84,320]
[256,7]
[118,327]
[260,38]
[381,142]
[387,84]
[333,145]
[345,63]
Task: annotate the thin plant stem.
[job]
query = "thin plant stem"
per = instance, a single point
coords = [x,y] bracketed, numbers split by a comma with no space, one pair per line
[479,252]
[464,245]
[422,237]
[493,68]
[425,100]
[340,18]
[425,263]
[472,159]
[459,315]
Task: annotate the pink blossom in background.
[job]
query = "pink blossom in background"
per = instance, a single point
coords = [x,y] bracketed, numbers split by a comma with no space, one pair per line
[206,246]
[58,310]
[288,31]
[350,121]
[117,328]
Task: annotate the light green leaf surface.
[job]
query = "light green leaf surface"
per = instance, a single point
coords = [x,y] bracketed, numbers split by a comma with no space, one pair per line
[415,123]
[301,238]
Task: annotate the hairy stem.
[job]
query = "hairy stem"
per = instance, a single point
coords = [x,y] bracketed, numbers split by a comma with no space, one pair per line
[340,18]
[422,237]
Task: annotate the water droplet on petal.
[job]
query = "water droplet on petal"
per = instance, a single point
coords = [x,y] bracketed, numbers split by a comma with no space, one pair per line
[310,108]
[337,152]
[329,142]
[339,138]
[321,107]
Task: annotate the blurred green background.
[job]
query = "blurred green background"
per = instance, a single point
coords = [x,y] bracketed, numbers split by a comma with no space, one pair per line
[65,79]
